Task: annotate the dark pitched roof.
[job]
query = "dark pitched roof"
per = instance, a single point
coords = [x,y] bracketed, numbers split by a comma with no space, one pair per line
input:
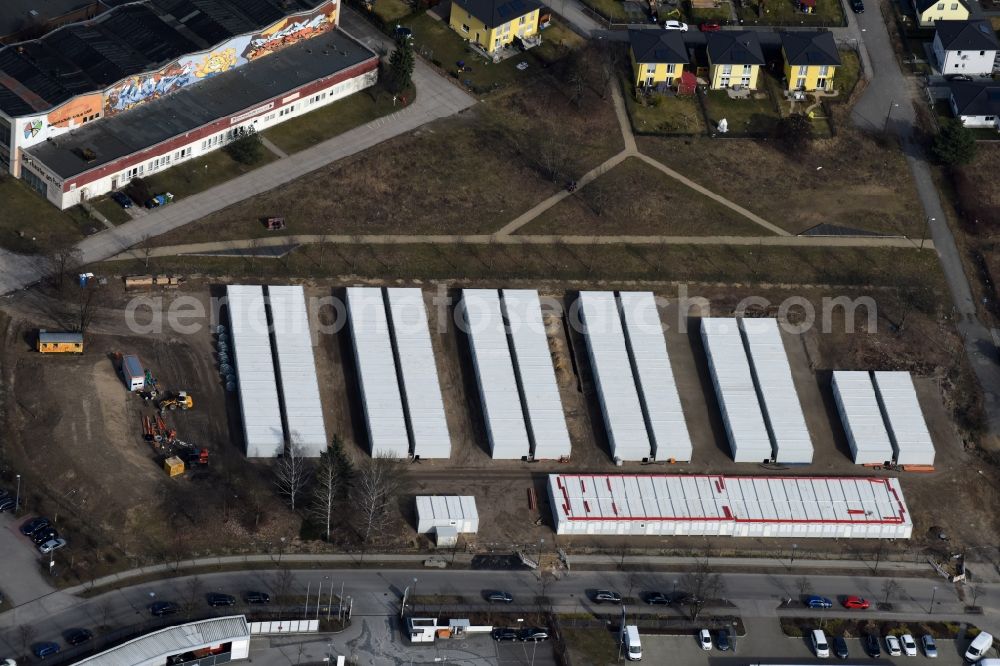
[975,99]
[924,5]
[810,48]
[497,12]
[966,35]
[135,37]
[656,46]
[734,48]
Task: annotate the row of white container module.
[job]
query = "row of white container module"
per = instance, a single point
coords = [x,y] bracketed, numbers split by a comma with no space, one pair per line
[882,418]
[260,390]
[517,384]
[741,506]
[397,373]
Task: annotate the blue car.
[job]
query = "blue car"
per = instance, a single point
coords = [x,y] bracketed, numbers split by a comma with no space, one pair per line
[43,650]
[816,601]
[121,199]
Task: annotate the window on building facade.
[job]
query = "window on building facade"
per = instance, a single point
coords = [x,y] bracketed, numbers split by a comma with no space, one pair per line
[803,70]
[465,28]
[727,69]
[824,70]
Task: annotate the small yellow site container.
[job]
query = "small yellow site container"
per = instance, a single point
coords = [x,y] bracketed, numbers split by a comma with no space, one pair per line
[173,466]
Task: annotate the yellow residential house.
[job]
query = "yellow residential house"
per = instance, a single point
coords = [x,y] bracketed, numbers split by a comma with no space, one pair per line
[811,59]
[494,24]
[658,57]
[929,11]
[734,59]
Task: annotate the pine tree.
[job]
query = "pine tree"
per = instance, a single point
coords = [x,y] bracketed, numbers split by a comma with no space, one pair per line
[954,144]
[401,64]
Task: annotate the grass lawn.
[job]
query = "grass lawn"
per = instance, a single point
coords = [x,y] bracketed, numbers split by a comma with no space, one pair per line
[392,11]
[847,75]
[557,42]
[29,223]
[634,199]
[333,119]
[466,174]
[861,184]
[755,115]
[197,175]
[666,115]
[595,647]
[612,9]
[829,13]
[721,13]
[109,209]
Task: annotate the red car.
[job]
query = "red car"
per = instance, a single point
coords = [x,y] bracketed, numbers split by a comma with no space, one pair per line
[856,603]
[710,26]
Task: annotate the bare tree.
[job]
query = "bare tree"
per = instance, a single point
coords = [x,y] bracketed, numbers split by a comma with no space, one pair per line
[62,258]
[804,585]
[890,588]
[104,610]
[700,585]
[292,473]
[26,633]
[377,485]
[332,478]
[86,304]
[193,590]
[610,58]
[281,585]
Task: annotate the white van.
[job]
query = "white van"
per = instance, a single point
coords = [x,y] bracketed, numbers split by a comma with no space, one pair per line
[630,639]
[979,646]
[820,646]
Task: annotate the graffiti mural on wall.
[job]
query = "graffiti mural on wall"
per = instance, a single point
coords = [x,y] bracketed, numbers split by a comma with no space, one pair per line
[290,31]
[217,62]
[32,128]
[143,88]
[75,111]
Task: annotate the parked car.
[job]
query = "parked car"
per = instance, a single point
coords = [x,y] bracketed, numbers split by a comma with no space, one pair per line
[7,504]
[705,639]
[79,636]
[257,598]
[49,546]
[979,646]
[497,596]
[43,535]
[4,493]
[858,6]
[402,33]
[219,599]
[958,77]
[710,26]
[607,595]
[856,603]
[840,647]
[121,199]
[722,640]
[871,645]
[504,634]
[909,645]
[930,647]
[815,601]
[33,525]
[163,608]
[657,599]
[675,25]
[43,650]
[893,647]
[534,634]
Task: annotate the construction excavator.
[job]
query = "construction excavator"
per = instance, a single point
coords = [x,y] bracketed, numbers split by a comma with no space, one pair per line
[182,400]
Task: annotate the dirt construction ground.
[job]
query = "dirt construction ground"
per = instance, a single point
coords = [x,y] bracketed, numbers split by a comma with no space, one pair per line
[73,430]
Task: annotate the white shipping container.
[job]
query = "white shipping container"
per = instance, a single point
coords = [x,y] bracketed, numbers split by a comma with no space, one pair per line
[776,389]
[263,432]
[533,362]
[422,399]
[654,376]
[457,511]
[904,418]
[377,372]
[297,369]
[861,416]
[498,390]
[734,387]
[616,388]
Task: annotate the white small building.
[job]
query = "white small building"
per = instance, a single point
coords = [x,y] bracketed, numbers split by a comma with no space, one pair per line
[976,104]
[447,511]
[214,641]
[965,47]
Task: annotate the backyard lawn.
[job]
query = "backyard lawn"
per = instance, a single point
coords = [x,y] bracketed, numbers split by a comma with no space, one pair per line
[663,114]
[30,224]
[754,116]
[829,13]
[392,11]
[111,210]
[722,13]
[198,175]
[634,199]
[557,42]
[847,75]
[612,9]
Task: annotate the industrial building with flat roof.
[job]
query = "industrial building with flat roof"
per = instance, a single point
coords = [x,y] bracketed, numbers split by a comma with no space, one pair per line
[92,105]
[739,506]
[226,638]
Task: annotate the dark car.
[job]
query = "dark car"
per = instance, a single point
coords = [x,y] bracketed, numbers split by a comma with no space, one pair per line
[43,650]
[33,525]
[958,77]
[504,634]
[7,504]
[722,640]
[257,598]
[163,608]
[870,643]
[79,636]
[497,596]
[840,647]
[121,199]
[534,634]
[685,598]
[607,595]
[44,534]
[220,599]
[657,599]
[858,6]
[816,601]
[710,26]
[402,33]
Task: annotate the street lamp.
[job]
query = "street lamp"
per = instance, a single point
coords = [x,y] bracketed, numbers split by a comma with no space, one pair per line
[17,502]
[892,105]
[933,595]
[674,593]
[925,230]
[794,548]
[282,551]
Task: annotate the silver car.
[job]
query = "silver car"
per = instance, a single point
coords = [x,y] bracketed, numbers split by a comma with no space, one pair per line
[930,647]
[51,545]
